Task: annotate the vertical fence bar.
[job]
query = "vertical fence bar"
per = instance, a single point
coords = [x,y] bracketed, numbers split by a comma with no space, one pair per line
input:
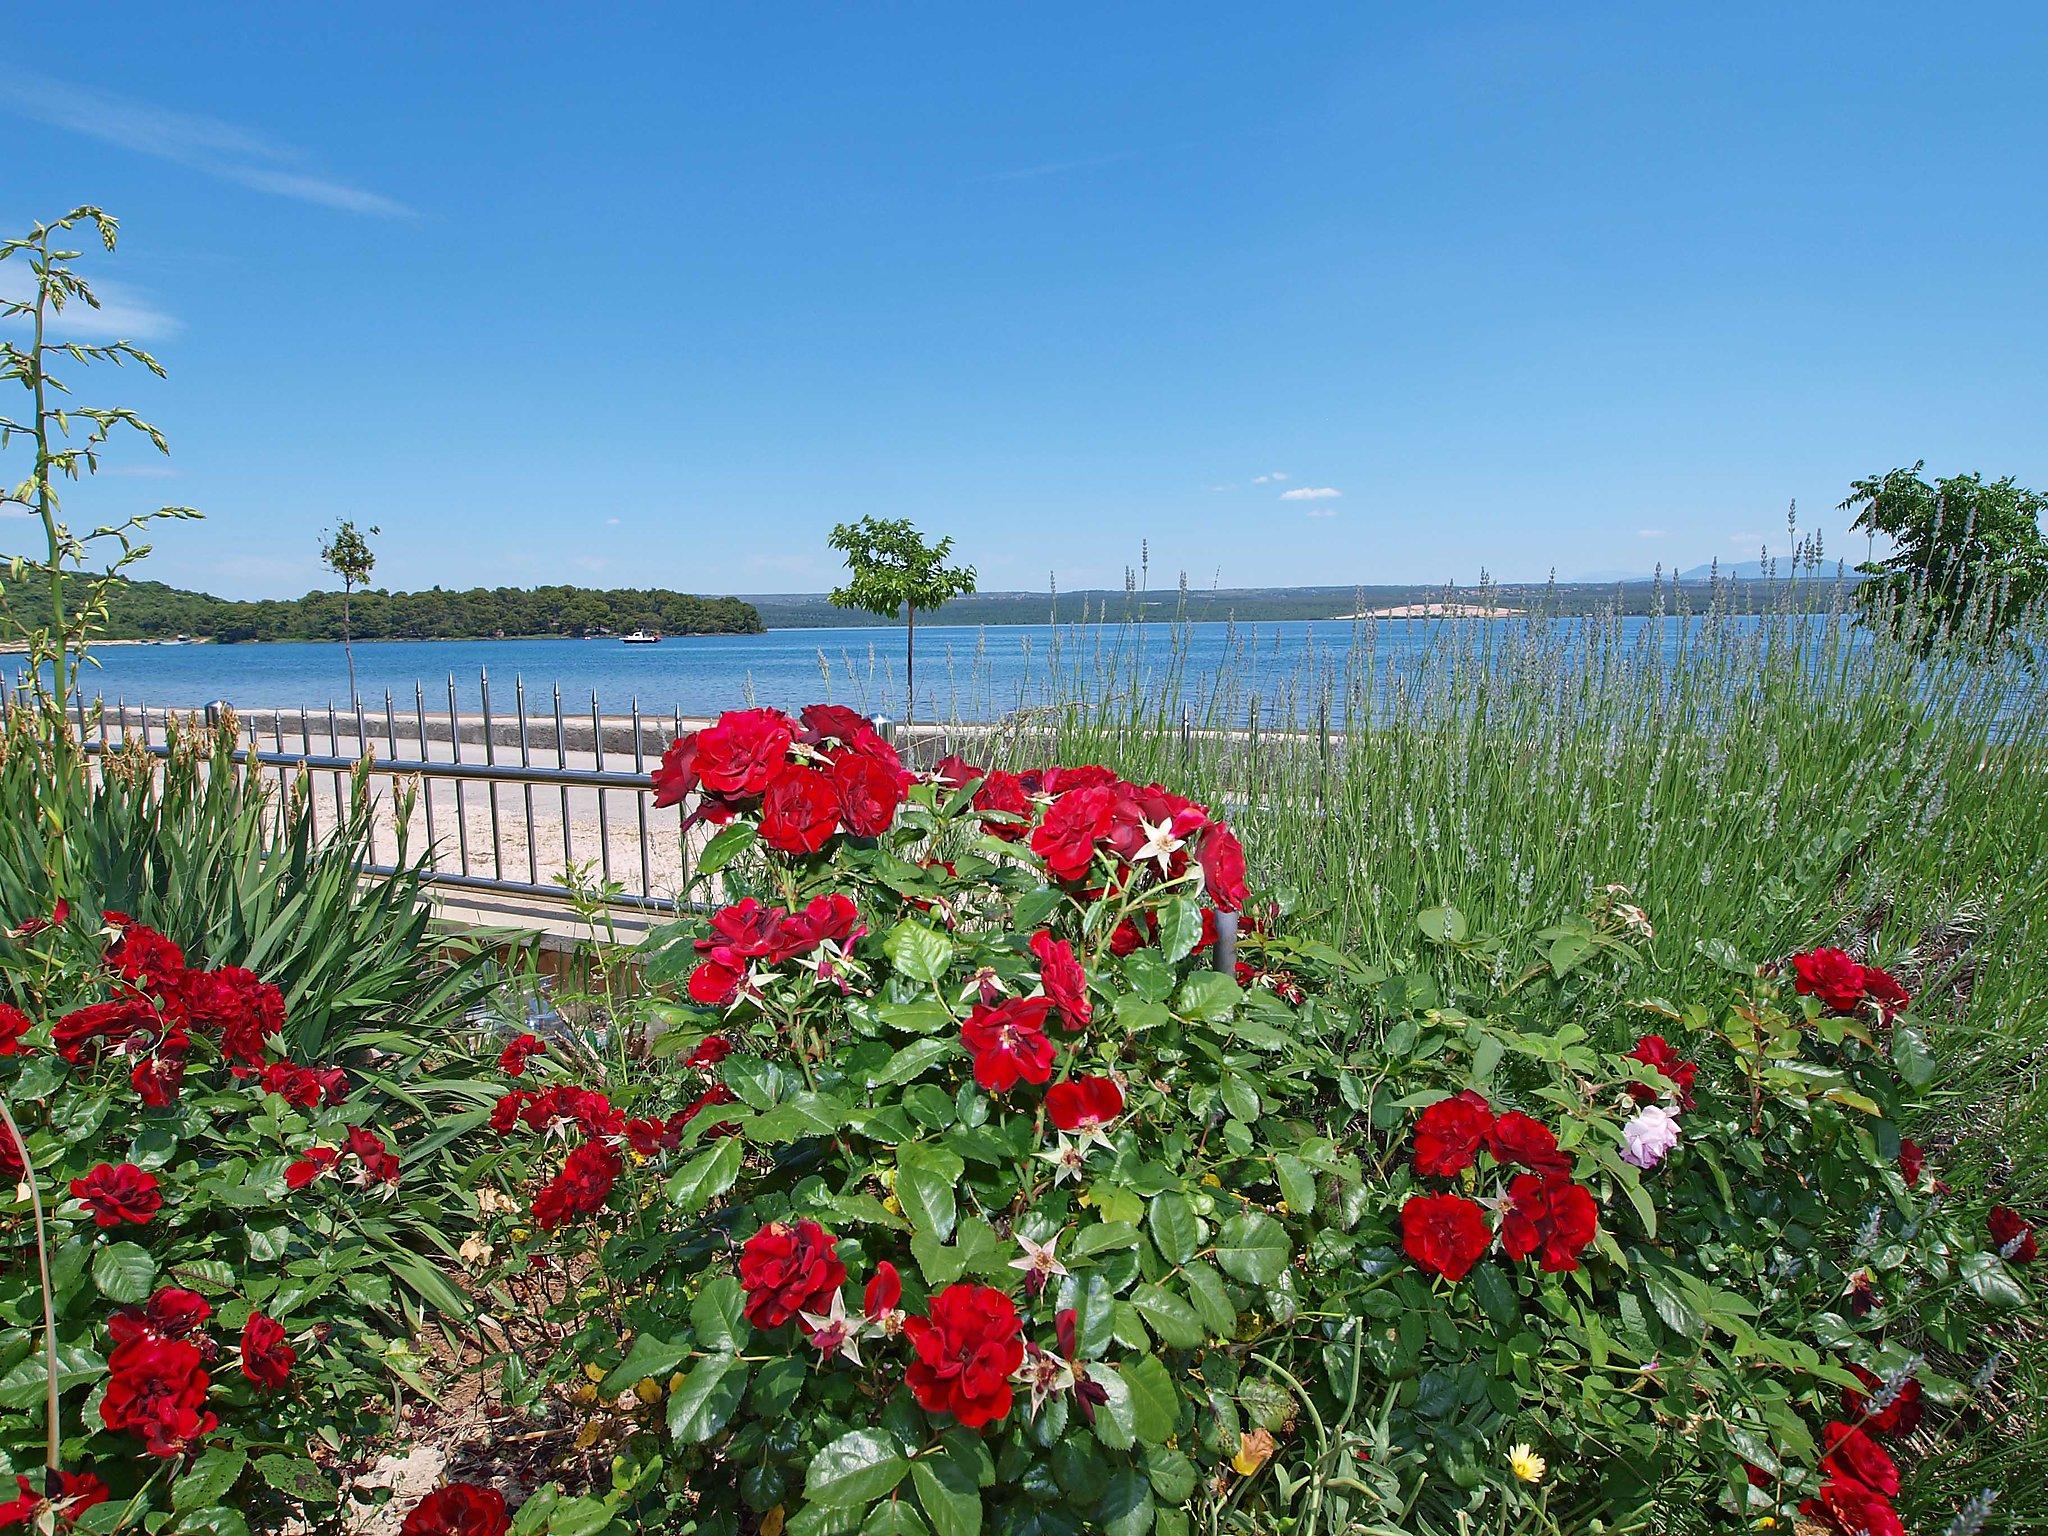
[461,802]
[490,759]
[604,826]
[419,708]
[562,761]
[640,802]
[334,750]
[526,790]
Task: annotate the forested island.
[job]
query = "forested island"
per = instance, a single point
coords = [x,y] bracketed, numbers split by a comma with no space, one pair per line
[149,610]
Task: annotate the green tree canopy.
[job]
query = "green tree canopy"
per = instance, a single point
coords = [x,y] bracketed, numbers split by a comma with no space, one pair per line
[895,568]
[1968,556]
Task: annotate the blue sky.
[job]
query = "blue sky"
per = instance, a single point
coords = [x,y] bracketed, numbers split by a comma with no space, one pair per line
[658,297]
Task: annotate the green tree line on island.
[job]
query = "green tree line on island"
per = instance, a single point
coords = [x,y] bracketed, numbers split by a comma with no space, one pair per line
[148,610]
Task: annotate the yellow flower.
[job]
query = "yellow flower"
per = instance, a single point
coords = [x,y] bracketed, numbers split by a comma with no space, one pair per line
[1526,1464]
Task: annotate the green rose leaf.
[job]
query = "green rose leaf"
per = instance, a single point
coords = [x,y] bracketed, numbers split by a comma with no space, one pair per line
[718,1317]
[1169,1316]
[948,1493]
[920,953]
[857,1468]
[1126,1510]
[1252,1247]
[1180,928]
[649,1356]
[707,1176]
[123,1272]
[1155,1405]
[926,1180]
[1174,1233]
[698,1408]
[727,844]
[212,1475]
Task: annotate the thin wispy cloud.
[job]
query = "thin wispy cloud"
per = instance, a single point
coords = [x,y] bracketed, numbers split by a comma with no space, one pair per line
[125,313]
[1322,511]
[1311,493]
[200,143]
[1652,533]
[1273,479]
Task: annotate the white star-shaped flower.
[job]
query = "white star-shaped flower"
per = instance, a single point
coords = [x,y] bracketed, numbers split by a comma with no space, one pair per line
[1160,843]
[1039,1259]
[1046,1374]
[834,1332]
[1070,1158]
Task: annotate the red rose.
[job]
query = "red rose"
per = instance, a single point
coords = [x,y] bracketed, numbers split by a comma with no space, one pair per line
[1446,1234]
[76,1492]
[513,1059]
[1900,1416]
[1008,1043]
[716,984]
[380,1164]
[1550,1216]
[1221,856]
[305,1087]
[315,1162]
[1912,1162]
[2012,1235]
[580,1189]
[1449,1134]
[13,1025]
[744,752]
[1853,1454]
[1851,1509]
[800,812]
[1884,992]
[1066,839]
[1056,781]
[156,1079]
[1063,979]
[239,1006]
[118,1194]
[156,1390]
[1517,1138]
[1005,807]
[883,1292]
[266,1358]
[1831,975]
[171,1313]
[787,1268]
[458,1509]
[968,1344]
[675,780]
[956,773]
[129,1024]
[1656,1053]
[144,956]
[832,919]
[1083,1103]
[13,1160]
[710,1052]
[868,791]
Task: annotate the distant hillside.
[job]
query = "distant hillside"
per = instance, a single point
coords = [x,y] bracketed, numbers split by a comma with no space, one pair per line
[1249,605]
[149,610]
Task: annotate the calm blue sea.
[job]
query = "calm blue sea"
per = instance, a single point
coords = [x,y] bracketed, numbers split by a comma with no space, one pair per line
[964,672]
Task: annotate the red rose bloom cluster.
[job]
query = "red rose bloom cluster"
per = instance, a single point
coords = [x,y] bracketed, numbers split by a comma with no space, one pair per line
[1844,984]
[580,1189]
[1008,1043]
[1859,1479]
[75,1493]
[968,1344]
[2012,1235]
[748,934]
[1658,1054]
[156,1390]
[830,773]
[789,1267]
[267,1359]
[1543,1212]
[458,1509]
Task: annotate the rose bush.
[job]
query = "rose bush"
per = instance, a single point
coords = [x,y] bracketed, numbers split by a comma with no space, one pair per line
[975,1197]
[236,1266]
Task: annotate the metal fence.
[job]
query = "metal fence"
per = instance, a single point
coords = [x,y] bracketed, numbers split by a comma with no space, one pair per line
[519,801]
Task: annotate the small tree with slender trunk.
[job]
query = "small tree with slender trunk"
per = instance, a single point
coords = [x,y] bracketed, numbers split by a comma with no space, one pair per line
[347,553]
[893,566]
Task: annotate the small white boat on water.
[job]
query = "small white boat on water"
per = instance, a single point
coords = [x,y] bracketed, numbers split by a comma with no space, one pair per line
[641,637]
